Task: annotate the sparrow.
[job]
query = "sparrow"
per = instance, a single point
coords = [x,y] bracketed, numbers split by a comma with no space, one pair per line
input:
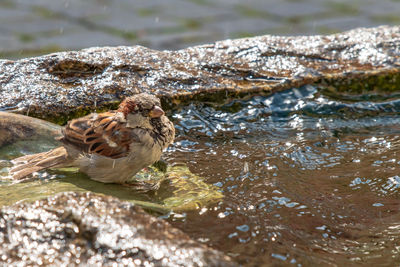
[109,147]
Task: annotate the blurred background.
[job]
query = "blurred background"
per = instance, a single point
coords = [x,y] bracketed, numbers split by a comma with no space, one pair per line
[30,28]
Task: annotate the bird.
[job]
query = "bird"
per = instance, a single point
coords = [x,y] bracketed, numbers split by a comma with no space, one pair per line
[110,147]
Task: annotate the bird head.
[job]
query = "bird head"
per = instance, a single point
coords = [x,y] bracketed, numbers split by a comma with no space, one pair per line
[140,109]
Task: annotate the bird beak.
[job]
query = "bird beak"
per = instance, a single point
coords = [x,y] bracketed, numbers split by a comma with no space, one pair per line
[156,112]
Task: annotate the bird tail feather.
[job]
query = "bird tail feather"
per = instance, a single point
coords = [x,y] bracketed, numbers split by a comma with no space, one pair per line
[26,165]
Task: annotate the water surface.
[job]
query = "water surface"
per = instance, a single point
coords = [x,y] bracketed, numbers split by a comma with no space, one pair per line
[307,179]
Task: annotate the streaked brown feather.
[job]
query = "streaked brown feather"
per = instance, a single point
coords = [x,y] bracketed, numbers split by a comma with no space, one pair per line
[111,135]
[26,165]
[126,106]
[105,134]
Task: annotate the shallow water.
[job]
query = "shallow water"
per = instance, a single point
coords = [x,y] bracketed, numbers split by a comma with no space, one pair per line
[307,179]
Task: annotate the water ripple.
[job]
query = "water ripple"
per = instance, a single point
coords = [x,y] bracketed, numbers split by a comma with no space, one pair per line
[304,175]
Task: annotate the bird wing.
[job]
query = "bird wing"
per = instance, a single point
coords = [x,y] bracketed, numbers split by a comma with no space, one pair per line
[105,134]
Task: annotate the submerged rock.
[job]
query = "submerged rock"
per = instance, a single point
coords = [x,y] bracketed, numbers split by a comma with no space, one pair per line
[93,230]
[14,127]
[69,84]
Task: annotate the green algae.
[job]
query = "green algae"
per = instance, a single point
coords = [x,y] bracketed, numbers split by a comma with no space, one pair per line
[376,87]
[181,190]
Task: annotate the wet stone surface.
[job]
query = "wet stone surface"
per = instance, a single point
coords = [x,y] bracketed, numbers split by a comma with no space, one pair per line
[14,127]
[307,178]
[88,229]
[69,84]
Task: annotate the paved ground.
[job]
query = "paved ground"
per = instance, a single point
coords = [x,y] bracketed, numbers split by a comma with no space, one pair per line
[30,28]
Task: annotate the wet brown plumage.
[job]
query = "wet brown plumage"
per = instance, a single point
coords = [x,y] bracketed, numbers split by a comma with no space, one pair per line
[103,134]
[110,146]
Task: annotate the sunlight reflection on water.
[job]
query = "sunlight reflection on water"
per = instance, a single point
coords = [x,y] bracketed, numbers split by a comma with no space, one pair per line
[320,174]
[306,179]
